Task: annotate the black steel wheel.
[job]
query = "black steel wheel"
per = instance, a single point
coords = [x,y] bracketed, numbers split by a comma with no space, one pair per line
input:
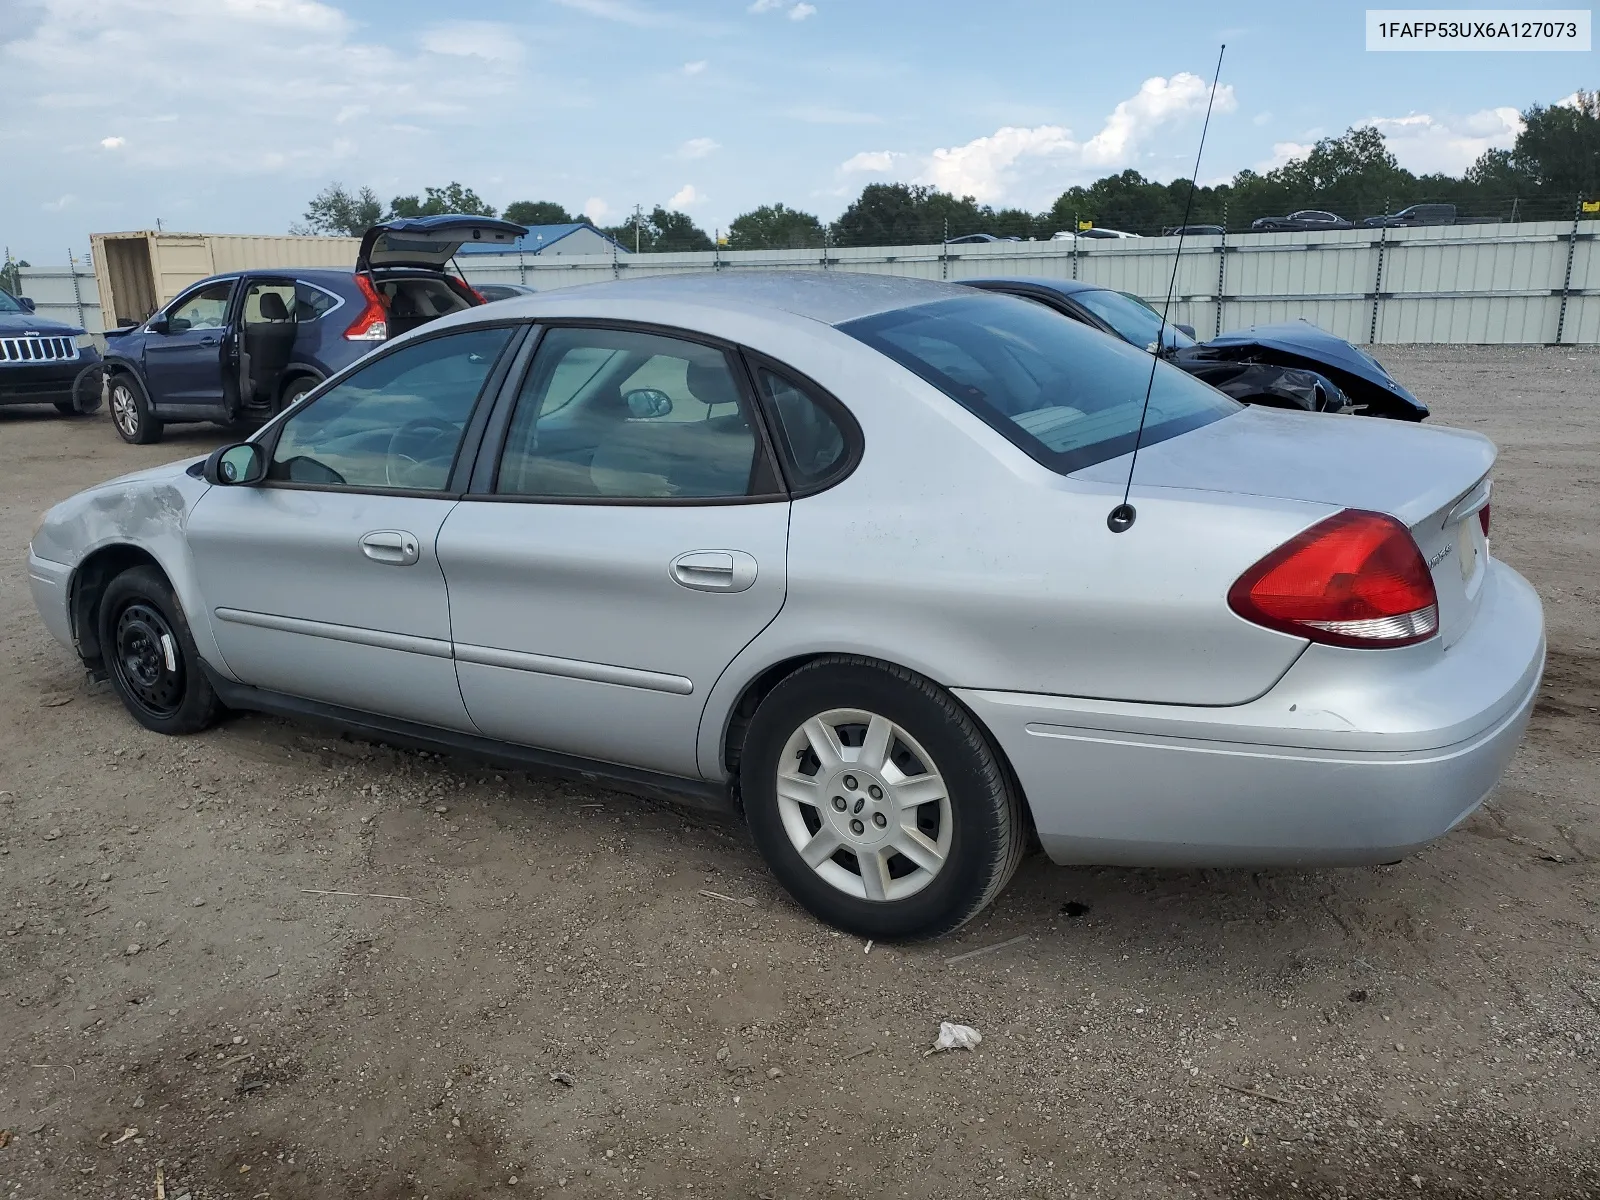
[150,656]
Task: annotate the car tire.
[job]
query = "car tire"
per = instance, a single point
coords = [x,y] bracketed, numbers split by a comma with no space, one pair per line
[906,827]
[150,655]
[294,389]
[130,412]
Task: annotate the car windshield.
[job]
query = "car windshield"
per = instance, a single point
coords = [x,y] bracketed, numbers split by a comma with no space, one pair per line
[1066,394]
[1134,320]
[9,303]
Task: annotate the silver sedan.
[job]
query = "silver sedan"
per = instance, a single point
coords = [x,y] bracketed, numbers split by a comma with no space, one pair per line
[834,550]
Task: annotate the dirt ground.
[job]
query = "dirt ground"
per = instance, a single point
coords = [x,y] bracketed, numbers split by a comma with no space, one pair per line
[546,989]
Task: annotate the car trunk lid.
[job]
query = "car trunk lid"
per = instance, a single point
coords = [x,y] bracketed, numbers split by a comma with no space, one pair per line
[1435,480]
[430,242]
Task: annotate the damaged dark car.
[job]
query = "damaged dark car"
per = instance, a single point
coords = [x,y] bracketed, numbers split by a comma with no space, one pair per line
[1290,364]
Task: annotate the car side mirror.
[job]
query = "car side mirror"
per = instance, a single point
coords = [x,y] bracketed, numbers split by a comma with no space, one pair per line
[159,325]
[648,402]
[236,465]
[26,303]
[1186,330]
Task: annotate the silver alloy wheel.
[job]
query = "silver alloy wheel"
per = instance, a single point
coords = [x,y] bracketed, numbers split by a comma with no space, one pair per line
[864,805]
[124,410]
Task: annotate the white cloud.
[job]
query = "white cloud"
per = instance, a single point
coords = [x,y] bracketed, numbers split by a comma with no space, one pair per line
[488,40]
[877,162]
[698,147]
[1260,119]
[596,209]
[1425,144]
[801,11]
[1158,102]
[818,114]
[60,203]
[113,143]
[685,197]
[694,68]
[761,6]
[1030,165]
[622,12]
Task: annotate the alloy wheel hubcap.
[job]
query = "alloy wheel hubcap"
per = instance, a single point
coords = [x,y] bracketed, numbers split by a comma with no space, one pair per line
[864,805]
[123,410]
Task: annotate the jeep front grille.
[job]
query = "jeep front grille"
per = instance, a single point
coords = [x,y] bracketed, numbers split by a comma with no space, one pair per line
[38,349]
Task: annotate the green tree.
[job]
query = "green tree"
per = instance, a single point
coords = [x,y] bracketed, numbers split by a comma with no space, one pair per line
[1558,150]
[662,232]
[902,214]
[541,212]
[434,202]
[11,274]
[337,212]
[774,227]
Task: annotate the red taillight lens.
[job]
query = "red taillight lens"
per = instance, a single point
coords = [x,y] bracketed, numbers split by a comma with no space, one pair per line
[1355,579]
[373,323]
[1483,519]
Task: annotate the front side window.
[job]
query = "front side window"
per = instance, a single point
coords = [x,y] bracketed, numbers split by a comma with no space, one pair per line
[1066,394]
[396,423]
[204,309]
[630,415]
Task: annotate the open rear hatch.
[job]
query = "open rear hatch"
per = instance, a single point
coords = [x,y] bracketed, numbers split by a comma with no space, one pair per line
[430,242]
[1434,480]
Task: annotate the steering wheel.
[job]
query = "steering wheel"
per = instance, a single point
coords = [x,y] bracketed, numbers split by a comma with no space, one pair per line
[407,455]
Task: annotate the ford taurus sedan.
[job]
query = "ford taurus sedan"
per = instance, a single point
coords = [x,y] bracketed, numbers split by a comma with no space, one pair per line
[834,550]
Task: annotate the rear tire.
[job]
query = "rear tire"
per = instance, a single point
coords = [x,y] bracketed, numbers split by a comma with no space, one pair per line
[150,655]
[294,389]
[904,826]
[130,412]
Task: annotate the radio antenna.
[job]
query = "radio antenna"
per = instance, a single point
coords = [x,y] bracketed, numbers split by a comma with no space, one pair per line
[1121,518]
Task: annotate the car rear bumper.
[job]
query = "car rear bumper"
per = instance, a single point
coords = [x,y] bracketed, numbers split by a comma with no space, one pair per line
[51,583]
[1327,768]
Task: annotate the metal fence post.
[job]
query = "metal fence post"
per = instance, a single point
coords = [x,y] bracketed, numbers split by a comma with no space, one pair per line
[1566,280]
[1222,269]
[77,292]
[1377,283]
[522,267]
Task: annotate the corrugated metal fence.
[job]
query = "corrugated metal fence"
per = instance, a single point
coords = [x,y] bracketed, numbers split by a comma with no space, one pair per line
[1535,282]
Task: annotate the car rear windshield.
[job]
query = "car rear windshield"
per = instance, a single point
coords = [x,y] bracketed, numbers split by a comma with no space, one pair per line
[1067,394]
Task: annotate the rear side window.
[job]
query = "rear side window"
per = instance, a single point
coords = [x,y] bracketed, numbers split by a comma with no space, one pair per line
[814,445]
[312,302]
[1066,394]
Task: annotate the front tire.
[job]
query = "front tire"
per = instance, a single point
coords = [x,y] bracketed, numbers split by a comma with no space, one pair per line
[150,655]
[877,801]
[130,413]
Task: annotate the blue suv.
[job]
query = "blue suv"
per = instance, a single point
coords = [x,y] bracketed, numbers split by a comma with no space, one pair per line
[243,346]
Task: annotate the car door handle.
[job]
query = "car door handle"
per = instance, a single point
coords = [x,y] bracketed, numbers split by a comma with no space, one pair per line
[392,547]
[208,341]
[714,570]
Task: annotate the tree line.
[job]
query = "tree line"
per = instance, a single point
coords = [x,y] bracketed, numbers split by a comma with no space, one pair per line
[1554,162]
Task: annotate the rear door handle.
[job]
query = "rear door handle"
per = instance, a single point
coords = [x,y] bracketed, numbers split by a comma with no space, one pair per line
[208,341]
[714,570]
[392,547]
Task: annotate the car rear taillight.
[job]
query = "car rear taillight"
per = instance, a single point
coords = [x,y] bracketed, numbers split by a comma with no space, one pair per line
[373,323]
[1355,579]
[1483,519]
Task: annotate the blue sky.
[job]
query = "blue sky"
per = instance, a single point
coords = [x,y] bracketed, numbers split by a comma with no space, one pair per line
[227,115]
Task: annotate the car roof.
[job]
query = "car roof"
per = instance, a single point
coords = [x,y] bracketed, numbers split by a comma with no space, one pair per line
[831,297]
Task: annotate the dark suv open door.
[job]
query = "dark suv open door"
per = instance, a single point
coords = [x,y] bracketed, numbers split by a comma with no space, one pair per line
[266,333]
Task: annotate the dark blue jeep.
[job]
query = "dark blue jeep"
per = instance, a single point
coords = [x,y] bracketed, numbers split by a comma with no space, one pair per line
[241,347]
[44,361]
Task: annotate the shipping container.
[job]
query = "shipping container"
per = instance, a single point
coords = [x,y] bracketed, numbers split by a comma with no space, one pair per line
[139,272]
